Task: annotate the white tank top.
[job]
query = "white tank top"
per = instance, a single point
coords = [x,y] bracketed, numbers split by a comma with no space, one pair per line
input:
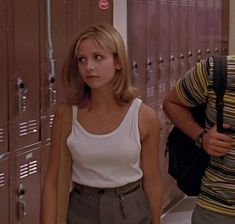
[107,160]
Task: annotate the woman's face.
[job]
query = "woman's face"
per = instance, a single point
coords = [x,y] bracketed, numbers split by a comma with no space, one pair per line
[96,66]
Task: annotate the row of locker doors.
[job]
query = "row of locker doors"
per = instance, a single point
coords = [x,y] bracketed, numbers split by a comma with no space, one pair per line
[34,40]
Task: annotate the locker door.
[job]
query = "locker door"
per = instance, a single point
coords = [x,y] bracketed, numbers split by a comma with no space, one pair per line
[4,188]
[83,13]
[26,186]
[137,43]
[201,29]
[192,34]
[54,48]
[3,83]
[225,26]
[218,26]
[174,43]
[45,149]
[24,72]
[183,36]
[164,50]
[210,26]
[151,53]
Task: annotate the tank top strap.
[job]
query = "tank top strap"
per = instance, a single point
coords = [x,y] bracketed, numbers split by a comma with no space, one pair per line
[75,112]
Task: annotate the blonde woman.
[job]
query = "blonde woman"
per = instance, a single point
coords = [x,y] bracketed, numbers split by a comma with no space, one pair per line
[113,140]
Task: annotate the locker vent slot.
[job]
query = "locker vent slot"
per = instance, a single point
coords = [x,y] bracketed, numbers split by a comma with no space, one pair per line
[28,169]
[51,119]
[150,91]
[184,2]
[2,180]
[1,135]
[163,2]
[28,127]
[191,3]
[172,83]
[210,3]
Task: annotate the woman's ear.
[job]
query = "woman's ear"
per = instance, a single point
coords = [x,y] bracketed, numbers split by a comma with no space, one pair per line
[117,65]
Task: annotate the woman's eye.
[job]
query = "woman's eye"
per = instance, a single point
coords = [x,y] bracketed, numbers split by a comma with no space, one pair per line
[81,60]
[98,57]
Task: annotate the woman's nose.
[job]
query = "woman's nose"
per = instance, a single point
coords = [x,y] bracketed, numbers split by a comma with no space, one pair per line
[90,65]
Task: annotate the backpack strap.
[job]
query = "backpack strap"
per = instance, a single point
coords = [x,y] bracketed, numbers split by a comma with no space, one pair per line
[219,86]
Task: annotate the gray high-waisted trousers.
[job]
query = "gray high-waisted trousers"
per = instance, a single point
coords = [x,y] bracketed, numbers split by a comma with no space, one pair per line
[204,216]
[123,205]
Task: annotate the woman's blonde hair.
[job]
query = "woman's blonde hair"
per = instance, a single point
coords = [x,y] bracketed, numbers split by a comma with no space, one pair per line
[108,38]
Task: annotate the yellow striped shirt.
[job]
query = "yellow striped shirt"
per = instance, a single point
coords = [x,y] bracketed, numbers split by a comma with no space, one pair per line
[195,87]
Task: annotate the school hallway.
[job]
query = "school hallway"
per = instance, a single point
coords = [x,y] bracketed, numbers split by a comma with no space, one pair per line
[180,213]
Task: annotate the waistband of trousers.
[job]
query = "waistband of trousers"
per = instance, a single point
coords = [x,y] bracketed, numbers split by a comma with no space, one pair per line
[123,190]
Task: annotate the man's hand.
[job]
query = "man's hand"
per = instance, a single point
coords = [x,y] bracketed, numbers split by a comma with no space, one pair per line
[215,143]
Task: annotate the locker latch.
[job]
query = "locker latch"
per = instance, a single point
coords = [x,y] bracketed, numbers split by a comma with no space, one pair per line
[21,204]
[22,90]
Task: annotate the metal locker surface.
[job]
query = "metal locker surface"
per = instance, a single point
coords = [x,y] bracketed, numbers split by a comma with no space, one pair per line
[218,27]
[183,36]
[174,43]
[137,43]
[164,50]
[151,53]
[4,188]
[24,51]
[26,186]
[4,80]
[191,55]
[54,48]
[44,154]
[225,26]
[210,26]
[201,29]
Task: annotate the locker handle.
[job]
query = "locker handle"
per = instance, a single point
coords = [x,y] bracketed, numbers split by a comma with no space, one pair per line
[52,92]
[21,191]
[21,209]
[190,54]
[22,90]
[149,70]
[199,52]
[181,56]
[216,50]
[135,73]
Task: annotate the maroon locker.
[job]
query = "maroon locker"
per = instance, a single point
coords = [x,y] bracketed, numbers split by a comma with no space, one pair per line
[23,72]
[44,153]
[201,29]
[210,26]
[4,188]
[217,26]
[4,81]
[163,41]
[137,43]
[83,13]
[225,26]
[192,34]
[26,185]
[54,48]
[151,53]
[183,36]
[174,43]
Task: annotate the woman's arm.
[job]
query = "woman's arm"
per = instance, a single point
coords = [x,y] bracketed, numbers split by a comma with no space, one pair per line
[48,205]
[150,141]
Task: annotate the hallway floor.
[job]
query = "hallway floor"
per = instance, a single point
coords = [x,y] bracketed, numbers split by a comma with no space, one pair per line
[181,213]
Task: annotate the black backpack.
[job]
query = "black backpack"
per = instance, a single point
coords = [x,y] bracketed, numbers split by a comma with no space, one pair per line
[187,163]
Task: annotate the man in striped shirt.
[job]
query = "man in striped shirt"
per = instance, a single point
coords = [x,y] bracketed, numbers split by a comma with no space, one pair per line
[216,202]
